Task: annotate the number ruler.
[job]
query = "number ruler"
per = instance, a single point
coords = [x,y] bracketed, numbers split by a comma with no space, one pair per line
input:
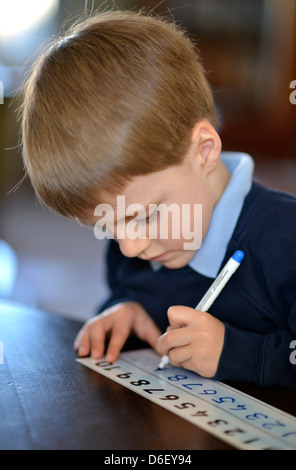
[233,416]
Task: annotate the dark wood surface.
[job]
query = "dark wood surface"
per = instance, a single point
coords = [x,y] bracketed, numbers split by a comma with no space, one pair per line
[49,401]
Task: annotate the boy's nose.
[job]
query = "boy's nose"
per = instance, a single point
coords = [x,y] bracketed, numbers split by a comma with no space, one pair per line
[132,248]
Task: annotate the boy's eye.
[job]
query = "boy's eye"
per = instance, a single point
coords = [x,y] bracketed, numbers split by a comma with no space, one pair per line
[149,219]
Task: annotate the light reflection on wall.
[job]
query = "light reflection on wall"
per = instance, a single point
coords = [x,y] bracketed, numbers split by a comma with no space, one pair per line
[23,27]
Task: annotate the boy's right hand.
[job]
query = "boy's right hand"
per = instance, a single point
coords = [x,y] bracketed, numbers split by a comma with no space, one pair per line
[118,321]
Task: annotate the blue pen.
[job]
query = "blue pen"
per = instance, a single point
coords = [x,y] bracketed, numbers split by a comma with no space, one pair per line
[215,289]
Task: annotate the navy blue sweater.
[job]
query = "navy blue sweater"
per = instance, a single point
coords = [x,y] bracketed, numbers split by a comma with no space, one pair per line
[258,305]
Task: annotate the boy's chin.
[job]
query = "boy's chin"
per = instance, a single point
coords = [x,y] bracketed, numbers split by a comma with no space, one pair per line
[179,261]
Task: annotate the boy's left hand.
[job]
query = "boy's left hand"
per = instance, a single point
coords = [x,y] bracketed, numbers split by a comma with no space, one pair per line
[194,340]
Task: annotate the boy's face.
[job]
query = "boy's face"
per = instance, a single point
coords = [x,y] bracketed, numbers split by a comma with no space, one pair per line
[165,215]
[165,233]
[171,235]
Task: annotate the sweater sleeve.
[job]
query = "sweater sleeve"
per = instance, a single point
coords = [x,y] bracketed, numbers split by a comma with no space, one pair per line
[262,359]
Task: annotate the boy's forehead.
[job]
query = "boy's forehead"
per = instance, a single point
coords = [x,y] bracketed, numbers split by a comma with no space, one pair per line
[146,190]
[142,189]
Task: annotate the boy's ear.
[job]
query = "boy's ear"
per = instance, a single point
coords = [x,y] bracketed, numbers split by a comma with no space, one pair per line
[207,144]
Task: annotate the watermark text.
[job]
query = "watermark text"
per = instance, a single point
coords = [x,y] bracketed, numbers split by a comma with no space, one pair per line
[292,96]
[162,221]
[293,353]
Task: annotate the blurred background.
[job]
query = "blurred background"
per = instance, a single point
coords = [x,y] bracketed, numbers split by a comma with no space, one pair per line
[248,49]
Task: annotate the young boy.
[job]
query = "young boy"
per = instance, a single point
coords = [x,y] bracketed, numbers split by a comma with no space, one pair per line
[120,106]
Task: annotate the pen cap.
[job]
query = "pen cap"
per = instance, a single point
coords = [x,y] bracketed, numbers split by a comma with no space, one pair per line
[238,256]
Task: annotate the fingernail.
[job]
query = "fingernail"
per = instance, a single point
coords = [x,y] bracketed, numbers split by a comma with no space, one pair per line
[96,354]
[82,351]
[109,357]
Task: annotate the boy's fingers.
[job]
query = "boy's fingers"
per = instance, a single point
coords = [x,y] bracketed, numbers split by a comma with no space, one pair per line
[150,333]
[97,341]
[180,316]
[91,340]
[175,338]
[178,356]
[152,337]
[82,344]
[118,338]
[79,336]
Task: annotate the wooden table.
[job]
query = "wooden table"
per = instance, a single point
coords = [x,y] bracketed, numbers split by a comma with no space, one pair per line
[49,401]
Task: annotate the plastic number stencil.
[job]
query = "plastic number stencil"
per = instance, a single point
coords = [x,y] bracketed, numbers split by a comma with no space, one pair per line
[231,415]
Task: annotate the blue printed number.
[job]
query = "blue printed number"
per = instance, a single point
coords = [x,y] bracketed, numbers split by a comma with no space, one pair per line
[223,399]
[177,377]
[264,425]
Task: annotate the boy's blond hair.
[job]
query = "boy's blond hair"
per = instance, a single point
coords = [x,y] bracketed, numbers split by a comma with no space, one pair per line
[116,97]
